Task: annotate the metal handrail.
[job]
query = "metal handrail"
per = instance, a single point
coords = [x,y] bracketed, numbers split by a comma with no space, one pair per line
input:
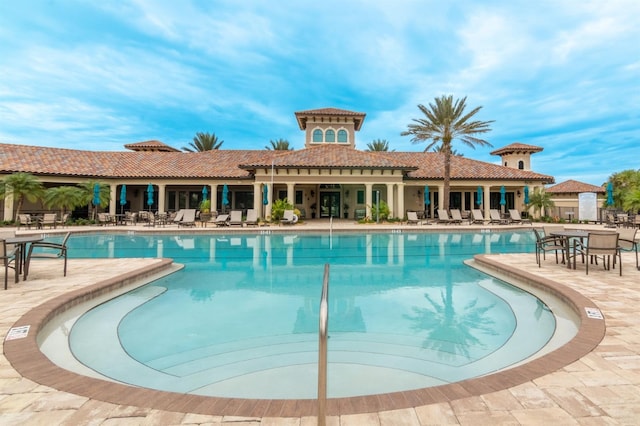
[322,349]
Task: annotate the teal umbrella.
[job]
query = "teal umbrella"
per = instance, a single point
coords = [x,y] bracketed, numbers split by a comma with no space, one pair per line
[149,196]
[96,194]
[265,195]
[205,193]
[526,195]
[225,196]
[427,201]
[610,194]
[503,200]
[479,196]
[123,197]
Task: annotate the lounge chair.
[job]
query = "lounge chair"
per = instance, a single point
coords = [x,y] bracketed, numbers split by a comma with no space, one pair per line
[412,218]
[495,217]
[188,218]
[289,218]
[24,220]
[49,251]
[177,218]
[456,216]
[252,218]
[477,217]
[443,216]
[222,220]
[514,216]
[235,218]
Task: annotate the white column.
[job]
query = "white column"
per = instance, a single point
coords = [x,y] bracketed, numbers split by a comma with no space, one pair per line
[162,198]
[368,201]
[257,197]
[440,196]
[8,205]
[214,198]
[112,198]
[390,202]
[291,193]
[401,189]
[486,199]
[267,208]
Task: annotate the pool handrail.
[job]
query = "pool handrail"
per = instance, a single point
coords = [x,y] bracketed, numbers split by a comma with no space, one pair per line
[322,349]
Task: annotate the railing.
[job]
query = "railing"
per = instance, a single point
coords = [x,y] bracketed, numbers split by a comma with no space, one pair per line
[322,349]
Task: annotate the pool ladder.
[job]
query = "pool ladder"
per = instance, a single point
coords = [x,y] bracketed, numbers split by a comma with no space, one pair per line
[322,349]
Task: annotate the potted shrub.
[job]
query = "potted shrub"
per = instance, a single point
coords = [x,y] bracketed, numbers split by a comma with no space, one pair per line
[205,210]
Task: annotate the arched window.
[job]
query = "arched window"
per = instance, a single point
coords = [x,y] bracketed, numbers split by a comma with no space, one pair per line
[342,136]
[521,165]
[330,136]
[317,135]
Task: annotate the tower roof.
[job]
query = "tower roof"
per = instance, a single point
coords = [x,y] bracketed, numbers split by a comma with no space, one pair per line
[517,148]
[302,116]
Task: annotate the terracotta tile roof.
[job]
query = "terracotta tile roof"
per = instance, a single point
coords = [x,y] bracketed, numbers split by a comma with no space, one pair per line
[431,166]
[517,147]
[237,164]
[152,145]
[332,156]
[575,187]
[302,116]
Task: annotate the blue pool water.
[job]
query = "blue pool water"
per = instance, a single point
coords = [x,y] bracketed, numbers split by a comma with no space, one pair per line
[241,319]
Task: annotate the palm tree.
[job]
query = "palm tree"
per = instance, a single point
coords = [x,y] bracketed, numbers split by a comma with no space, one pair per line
[86,198]
[279,145]
[21,185]
[540,200]
[378,145]
[63,197]
[625,184]
[445,121]
[440,150]
[203,142]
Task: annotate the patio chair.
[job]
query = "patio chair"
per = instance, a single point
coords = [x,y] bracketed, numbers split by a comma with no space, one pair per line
[235,218]
[514,217]
[289,218]
[222,220]
[24,220]
[477,217]
[48,250]
[495,217]
[63,221]
[600,244]
[9,254]
[50,219]
[177,218]
[443,216]
[412,218]
[627,241]
[188,218]
[546,242]
[456,217]
[104,219]
[252,218]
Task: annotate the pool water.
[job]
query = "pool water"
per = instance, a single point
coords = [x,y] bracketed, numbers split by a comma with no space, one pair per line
[241,319]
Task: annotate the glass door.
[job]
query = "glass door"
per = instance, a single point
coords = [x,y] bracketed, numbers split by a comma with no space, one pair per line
[330,204]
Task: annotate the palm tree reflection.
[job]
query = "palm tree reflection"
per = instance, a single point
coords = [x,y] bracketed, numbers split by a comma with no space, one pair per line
[451,332]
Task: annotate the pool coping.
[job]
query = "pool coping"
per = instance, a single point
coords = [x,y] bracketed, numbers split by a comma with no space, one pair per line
[26,358]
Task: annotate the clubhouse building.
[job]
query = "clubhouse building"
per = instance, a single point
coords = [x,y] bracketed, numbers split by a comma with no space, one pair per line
[329,177]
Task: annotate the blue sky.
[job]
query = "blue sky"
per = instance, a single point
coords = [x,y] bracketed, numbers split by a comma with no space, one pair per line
[563,75]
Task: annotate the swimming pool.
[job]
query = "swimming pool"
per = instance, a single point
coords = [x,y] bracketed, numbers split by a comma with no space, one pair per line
[405,313]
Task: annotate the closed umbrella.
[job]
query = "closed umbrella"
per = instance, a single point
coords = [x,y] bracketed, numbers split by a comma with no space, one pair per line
[503,200]
[205,193]
[123,197]
[96,194]
[149,196]
[479,196]
[610,194]
[225,196]
[265,195]
[526,195]
[427,201]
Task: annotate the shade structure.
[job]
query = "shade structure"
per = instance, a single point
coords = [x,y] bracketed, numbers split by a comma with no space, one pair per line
[479,196]
[96,194]
[205,193]
[265,194]
[427,201]
[610,194]
[225,195]
[503,200]
[526,195]
[149,195]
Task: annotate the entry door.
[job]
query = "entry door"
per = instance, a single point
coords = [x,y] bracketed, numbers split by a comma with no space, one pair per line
[330,204]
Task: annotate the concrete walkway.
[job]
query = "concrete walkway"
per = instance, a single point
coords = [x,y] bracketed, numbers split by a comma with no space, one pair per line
[602,387]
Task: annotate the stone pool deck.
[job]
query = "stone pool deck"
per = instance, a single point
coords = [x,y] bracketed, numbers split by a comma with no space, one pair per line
[602,387]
